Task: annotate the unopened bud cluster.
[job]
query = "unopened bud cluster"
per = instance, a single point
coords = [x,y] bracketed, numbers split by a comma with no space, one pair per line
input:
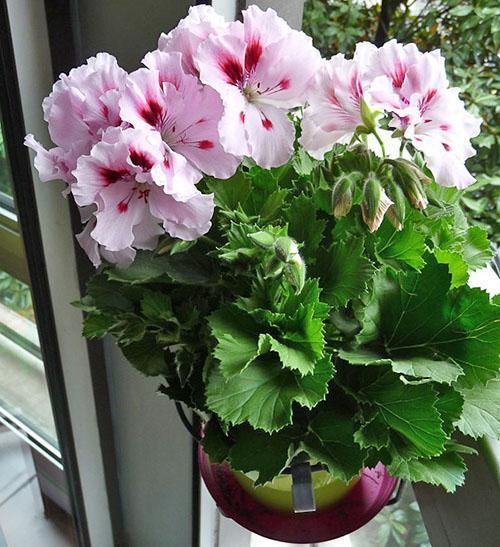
[384,192]
[286,259]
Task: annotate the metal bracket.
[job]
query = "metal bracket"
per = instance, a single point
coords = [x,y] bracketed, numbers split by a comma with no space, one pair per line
[302,488]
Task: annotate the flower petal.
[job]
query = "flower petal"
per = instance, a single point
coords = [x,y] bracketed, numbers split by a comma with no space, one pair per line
[232,133]
[121,210]
[285,70]
[143,103]
[198,136]
[186,220]
[270,135]
[265,27]
[191,31]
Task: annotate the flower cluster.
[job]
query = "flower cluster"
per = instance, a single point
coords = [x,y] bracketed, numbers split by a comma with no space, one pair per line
[406,84]
[132,147]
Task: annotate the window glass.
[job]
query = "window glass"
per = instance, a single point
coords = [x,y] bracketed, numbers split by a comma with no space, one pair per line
[5,175]
[24,397]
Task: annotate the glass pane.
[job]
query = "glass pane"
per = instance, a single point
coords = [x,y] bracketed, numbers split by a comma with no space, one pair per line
[24,395]
[23,388]
[5,174]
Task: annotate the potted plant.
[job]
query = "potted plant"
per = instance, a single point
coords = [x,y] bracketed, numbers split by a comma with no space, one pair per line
[277,238]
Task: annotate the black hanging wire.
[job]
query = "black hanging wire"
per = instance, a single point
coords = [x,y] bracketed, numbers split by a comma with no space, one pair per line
[187,423]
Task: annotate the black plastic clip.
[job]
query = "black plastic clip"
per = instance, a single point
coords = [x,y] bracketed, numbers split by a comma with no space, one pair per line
[302,488]
[397,496]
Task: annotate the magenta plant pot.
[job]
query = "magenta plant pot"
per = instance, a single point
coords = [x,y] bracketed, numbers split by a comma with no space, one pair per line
[360,504]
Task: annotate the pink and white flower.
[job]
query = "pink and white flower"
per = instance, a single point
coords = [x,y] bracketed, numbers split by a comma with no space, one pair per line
[127,176]
[413,87]
[334,111]
[261,68]
[201,22]
[186,114]
[81,106]
[97,253]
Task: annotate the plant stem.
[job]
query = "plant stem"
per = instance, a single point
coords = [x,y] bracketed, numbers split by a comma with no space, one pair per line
[377,136]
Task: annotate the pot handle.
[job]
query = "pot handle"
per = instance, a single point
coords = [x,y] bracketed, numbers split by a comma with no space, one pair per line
[302,488]
[397,496]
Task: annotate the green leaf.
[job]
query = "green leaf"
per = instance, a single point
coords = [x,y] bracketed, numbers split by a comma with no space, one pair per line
[308,297]
[449,405]
[421,367]
[417,366]
[400,248]
[186,268]
[146,356]
[273,204]
[190,268]
[301,342]
[131,329]
[461,11]
[447,470]
[422,318]
[157,306]
[408,409]
[255,450]
[292,357]
[304,226]
[98,325]
[331,442]
[232,192]
[313,388]
[237,339]
[263,393]
[343,271]
[215,443]
[477,251]
[146,267]
[373,434]
[481,412]
[456,266]
[302,162]
[103,294]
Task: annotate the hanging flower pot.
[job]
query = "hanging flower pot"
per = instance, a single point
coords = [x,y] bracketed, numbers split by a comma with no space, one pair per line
[268,510]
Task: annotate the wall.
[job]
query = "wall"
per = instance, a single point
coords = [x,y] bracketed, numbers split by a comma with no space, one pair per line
[153,450]
[126,28]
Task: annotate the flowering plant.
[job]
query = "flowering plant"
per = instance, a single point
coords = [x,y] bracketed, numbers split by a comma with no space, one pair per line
[308,296]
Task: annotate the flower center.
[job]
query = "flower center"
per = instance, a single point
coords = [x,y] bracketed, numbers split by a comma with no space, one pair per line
[250,93]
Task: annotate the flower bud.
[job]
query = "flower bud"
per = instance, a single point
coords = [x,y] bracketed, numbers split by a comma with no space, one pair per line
[410,178]
[375,204]
[274,267]
[287,251]
[406,169]
[262,239]
[295,272]
[285,248]
[342,196]
[396,212]
[414,191]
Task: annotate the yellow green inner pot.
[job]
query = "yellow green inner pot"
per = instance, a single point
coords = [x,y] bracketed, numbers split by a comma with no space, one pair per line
[278,493]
